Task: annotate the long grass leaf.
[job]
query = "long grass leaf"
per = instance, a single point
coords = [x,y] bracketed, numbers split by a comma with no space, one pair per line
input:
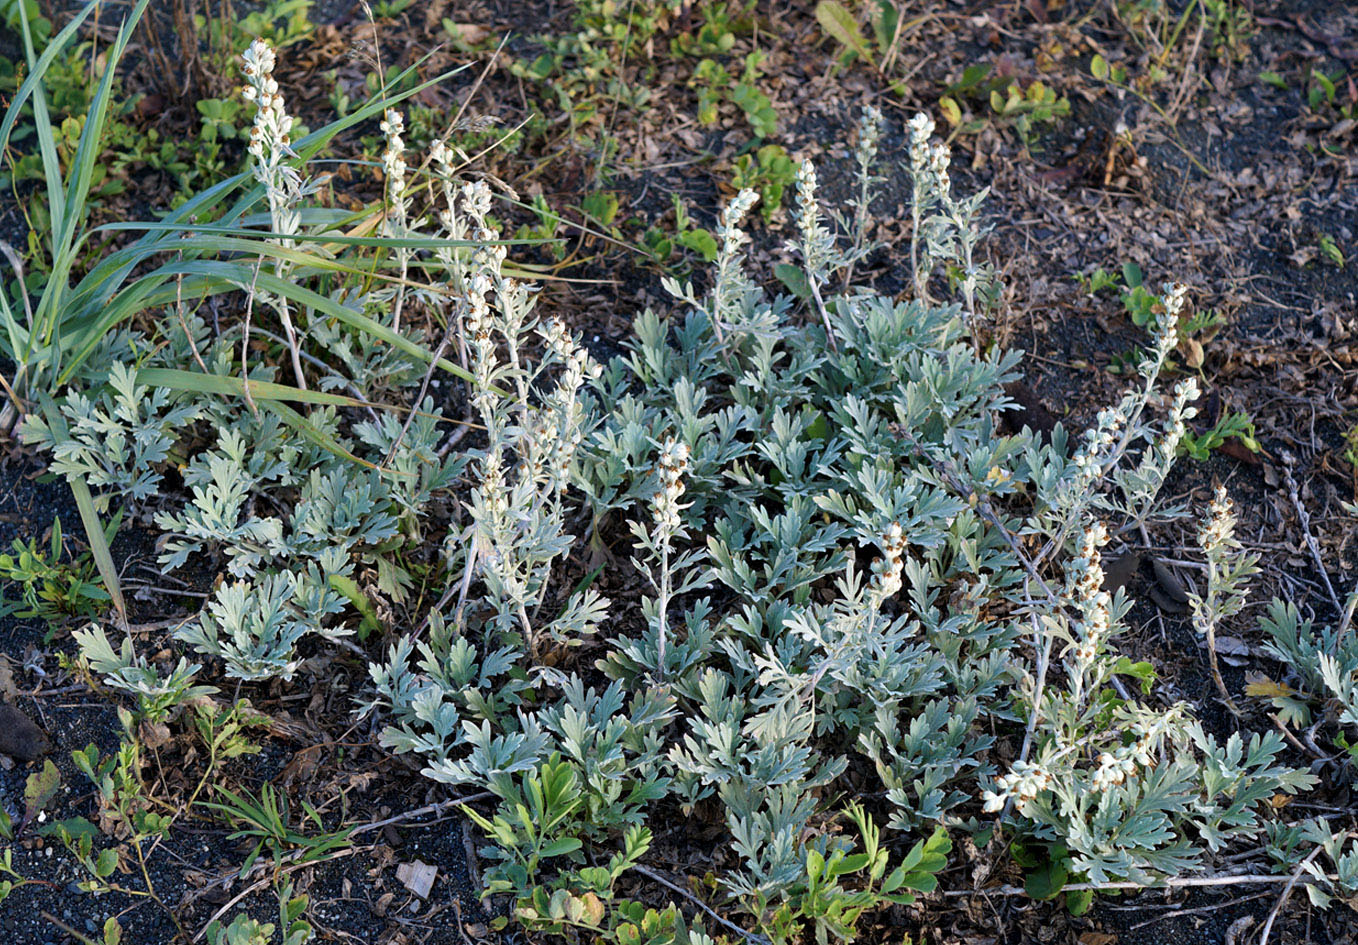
[37,69]
[359,321]
[314,433]
[92,134]
[232,386]
[89,516]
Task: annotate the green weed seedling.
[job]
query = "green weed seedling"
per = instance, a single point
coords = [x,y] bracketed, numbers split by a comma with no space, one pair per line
[697,240]
[1137,300]
[1011,103]
[52,587]
[244,930]
[1232,425]
[10,878]
[1350,454]
[767,172]
[1332,100]
[887,30]
[839,888]
[716,85]
[267,818]
[390,9]
[1330,251]
[124,811]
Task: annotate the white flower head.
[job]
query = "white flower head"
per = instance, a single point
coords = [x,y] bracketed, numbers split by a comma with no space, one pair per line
[670,469]
[887,570]
[921,130]
[1219,529]
[869,135]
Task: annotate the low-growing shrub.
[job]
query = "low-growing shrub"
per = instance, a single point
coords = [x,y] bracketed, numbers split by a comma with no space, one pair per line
[855,583]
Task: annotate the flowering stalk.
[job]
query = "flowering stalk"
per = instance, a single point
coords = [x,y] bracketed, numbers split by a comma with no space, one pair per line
[1228,568]
[454,227]
[1150,474]
[869,138]
[271,147]
[1166,336]
[729,275]
[817,245]
[1113,432]
[665,508]
[961,217]
[1084,588]
[396,222]
[929,177]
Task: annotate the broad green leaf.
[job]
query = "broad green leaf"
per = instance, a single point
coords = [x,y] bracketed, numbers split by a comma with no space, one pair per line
[794,278]
[838,22]
[106,863]
[40,788]
[1047,881]
[1078,901]
[561,847]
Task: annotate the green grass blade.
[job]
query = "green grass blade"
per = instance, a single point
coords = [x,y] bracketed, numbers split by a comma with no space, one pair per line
[32,87]
[94,534]
[38,69]
[326,306]
[314,433]
[89,517]
[92,134]
[232,386]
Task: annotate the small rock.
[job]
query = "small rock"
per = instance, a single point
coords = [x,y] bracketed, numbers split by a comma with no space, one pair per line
[19,737]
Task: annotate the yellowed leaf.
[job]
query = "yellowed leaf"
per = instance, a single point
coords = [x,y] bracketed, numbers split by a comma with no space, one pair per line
[1264,688]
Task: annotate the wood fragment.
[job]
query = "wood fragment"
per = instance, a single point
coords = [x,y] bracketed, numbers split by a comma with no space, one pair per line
[418,877]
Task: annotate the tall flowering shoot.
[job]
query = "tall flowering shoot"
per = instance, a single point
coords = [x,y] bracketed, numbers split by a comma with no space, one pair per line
[929,180]
[944,227]
[817,244]
[533,432]
[736,308]
[1067,488]
[865,155]
[1120,785]
[1229,569]
[271,148]
[655,545]
[397,223]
